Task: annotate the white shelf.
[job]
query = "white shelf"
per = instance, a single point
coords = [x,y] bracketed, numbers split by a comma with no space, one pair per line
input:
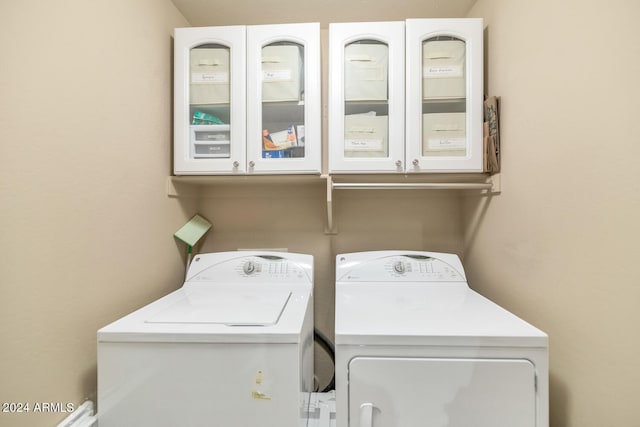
[192,186]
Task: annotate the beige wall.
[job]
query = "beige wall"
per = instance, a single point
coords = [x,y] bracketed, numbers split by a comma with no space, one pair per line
[86,229]
[559,246]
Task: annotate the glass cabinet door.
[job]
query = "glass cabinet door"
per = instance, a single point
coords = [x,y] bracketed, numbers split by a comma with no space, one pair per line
[444,95]
[283,130]
[366,102]
[209,100]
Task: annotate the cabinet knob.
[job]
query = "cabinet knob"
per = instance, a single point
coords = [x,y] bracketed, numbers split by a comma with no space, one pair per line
[252,164]
[398,163]
[415,162]
[236,164]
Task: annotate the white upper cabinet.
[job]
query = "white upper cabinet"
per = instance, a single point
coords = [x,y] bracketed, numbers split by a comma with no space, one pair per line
[284,99]
[209,100]
[247,100]
[366,97]
[404,97]
[439,129]
[444,95]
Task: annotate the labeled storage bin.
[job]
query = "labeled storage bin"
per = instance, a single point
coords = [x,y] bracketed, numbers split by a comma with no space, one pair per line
[443,69]
[210,141]
[365,71]
[209,76]
[281,73]
[444,134]
[365,135]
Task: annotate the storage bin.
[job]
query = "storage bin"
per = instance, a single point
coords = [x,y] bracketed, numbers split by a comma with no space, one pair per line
[209,76]
[281,73]
[444,134]
[210,141]
[366,67]
[366,135]
[443,69]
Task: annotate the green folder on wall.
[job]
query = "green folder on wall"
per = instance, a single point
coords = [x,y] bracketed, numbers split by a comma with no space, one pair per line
[192,231]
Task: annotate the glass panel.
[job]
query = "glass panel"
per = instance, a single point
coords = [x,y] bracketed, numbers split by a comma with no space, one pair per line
[366,104]
[283,101]
[444,97]
[209,108]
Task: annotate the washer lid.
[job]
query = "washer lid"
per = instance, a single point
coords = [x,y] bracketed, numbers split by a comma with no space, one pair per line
[216,306]
[201,313]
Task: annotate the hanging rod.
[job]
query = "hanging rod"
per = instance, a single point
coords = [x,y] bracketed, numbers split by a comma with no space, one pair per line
[412,186]
[491,186]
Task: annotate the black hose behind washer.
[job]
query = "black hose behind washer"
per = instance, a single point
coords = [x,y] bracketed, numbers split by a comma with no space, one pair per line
[328,347]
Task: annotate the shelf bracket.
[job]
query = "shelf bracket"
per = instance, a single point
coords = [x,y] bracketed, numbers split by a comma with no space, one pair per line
[176,188]
[496,183]
[330,226]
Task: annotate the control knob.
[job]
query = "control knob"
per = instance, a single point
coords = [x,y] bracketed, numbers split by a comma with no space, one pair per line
[398,267]
[249,267]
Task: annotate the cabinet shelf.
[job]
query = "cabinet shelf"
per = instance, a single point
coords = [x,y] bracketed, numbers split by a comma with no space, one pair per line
[284,112]
[381,108]
[457,105]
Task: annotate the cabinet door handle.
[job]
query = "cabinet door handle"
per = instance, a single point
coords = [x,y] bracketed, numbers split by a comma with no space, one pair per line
[366,415]
[252,164]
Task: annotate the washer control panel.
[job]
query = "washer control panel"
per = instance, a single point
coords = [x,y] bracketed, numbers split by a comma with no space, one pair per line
[274,268]
[399,267]
[245,267]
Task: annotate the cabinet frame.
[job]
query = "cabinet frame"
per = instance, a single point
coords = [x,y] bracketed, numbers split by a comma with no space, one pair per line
[245,107]
[234,38]
[470,30]
[406,144]
[306,35]
[341,35]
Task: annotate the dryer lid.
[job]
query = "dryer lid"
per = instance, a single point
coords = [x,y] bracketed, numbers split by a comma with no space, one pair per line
[214,306]
[440,314]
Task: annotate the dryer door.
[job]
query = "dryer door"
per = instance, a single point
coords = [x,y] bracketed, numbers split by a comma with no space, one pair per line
[438,392]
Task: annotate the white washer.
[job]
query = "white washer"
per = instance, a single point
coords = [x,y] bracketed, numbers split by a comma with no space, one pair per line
[232,347]
[416,346]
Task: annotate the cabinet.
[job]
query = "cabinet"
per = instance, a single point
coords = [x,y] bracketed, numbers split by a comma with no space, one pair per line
[247,100]
[284,101]
[444,95]
[428,117]
[366,97]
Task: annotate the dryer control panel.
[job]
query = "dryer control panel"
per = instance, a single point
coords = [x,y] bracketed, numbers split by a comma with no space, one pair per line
[397,266]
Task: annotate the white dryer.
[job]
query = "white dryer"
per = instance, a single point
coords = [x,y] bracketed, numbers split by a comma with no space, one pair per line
[415,346]
[232,347]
